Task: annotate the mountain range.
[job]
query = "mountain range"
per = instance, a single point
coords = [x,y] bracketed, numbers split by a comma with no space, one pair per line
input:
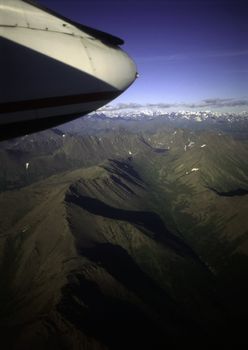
[153,111]
[124,235]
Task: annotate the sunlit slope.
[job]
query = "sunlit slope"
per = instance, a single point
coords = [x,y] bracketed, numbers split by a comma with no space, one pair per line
[203,177]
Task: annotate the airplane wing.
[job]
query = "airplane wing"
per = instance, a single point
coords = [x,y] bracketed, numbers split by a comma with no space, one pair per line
[53,69]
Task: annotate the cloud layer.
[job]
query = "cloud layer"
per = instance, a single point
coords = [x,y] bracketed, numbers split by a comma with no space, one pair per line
[193,55]
[204,104]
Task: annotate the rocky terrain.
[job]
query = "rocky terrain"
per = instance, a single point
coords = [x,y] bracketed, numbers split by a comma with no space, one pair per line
[124,239]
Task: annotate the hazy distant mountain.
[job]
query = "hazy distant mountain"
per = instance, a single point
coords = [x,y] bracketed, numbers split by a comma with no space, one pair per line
[123,238]
[151,119]
[156,112]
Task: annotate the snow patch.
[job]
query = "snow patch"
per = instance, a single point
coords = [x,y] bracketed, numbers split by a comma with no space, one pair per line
[191,144]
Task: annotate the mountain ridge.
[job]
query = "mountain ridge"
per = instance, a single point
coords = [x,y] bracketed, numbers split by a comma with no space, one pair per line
[130,239]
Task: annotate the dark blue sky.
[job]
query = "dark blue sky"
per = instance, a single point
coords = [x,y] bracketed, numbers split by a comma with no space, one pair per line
[186,51]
